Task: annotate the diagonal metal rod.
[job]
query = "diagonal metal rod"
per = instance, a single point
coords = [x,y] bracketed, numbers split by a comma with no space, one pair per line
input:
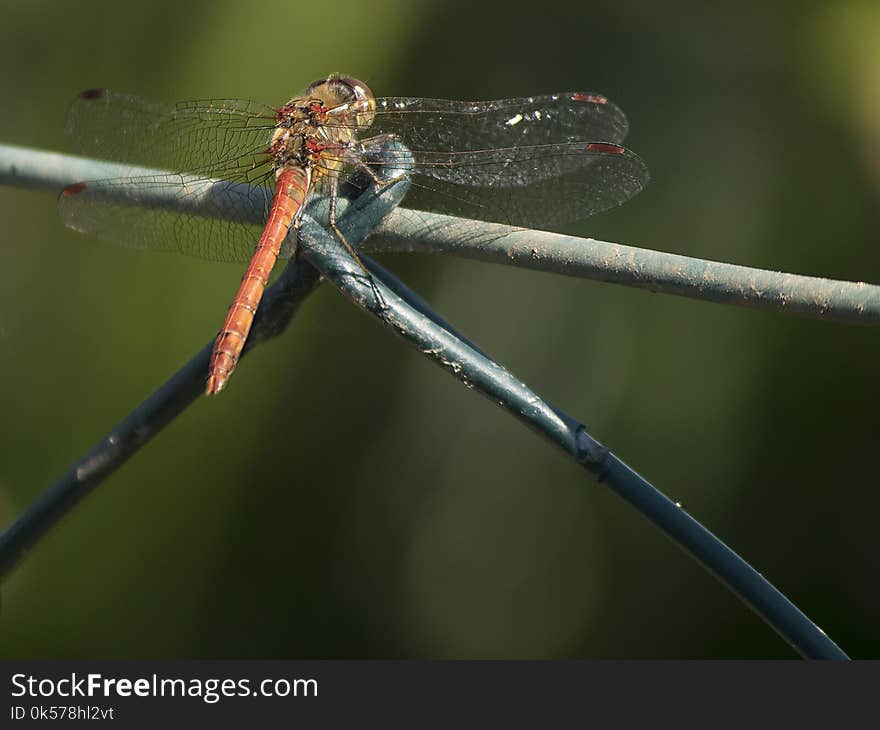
[424,331]
[415,322]
[139,427]
[280,303]
[415,231]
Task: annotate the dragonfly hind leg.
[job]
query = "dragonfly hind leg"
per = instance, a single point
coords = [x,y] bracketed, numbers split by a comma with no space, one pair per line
[348,247]
[377,144]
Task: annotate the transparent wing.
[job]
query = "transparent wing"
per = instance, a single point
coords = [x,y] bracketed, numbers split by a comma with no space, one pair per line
[536,186]
[440,125]
[214,204]
[218,220]
[533,161]
[211,137]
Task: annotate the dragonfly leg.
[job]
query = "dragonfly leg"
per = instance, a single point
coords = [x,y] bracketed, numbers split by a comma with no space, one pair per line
[380,182]
[348,247]
[378,142]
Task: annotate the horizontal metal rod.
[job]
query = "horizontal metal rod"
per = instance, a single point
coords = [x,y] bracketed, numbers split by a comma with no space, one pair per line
[407,230]
[829,299]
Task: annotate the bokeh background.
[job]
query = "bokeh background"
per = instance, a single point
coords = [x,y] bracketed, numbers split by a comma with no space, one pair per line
[344,498]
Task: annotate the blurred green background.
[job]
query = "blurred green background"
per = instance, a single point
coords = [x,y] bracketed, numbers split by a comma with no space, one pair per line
[344,498]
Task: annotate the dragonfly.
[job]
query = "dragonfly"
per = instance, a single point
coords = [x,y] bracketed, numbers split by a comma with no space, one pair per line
[199,166]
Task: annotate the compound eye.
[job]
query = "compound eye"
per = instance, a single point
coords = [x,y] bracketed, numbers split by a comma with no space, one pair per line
[359,90]
[364,101]
[316,86]
[337,90]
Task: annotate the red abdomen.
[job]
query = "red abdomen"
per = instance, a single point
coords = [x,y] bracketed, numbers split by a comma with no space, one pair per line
[290,192]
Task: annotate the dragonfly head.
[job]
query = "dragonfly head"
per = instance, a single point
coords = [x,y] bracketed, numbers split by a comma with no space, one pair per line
[337,90]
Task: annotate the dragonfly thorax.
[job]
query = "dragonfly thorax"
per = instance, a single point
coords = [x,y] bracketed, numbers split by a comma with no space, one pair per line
[316,130]
[286,148]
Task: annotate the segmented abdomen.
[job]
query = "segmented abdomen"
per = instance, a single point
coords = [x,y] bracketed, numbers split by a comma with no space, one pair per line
[290,192]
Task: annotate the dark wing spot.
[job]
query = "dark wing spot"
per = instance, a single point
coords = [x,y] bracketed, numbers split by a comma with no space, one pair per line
[611,149]
[592,98]
[74,189]
[93,94]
